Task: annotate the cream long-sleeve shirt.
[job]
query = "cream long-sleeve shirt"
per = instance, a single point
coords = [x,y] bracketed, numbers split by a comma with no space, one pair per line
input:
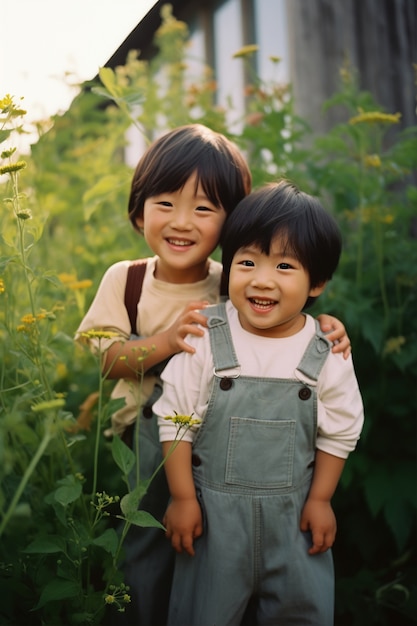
[187,381]
[159,305]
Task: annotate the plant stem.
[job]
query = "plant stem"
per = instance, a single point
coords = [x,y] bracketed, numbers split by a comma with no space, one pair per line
[28,473]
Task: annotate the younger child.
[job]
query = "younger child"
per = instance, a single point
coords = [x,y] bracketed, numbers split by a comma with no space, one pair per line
[184,187]
[279,415]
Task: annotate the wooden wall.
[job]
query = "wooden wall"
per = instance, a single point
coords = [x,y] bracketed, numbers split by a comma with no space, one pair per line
[378,38]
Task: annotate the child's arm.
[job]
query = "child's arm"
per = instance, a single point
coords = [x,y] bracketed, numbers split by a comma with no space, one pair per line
[183,519]
[121,359]
[337,332]
[317,515]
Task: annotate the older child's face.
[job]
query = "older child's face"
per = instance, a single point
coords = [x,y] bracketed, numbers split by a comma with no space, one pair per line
[270,291]
[183,228]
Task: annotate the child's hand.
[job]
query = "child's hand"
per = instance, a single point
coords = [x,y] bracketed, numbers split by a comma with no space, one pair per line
[336,333]
[318,517]
[186,324]
[183,523]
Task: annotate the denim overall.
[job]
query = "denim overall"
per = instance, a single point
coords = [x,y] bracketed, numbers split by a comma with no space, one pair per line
[253,460]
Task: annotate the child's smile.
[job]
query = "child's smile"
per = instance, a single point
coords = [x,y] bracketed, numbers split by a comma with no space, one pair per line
[260,304]
[180,243]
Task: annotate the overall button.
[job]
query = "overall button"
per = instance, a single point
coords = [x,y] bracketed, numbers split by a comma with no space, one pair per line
[304,393]
[226,384]
[195,460]
[147,412]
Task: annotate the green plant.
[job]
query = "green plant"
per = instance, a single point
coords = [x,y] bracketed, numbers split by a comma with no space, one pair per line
[366,172]
[62,533]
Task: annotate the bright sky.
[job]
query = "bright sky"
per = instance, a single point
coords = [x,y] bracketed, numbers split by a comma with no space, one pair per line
[48,46]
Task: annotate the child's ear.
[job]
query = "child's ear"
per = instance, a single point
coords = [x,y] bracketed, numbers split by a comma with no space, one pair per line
[139,222]
[317,290]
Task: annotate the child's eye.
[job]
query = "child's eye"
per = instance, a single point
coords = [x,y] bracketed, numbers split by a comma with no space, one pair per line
[247,263]
[284,266]
[203,208]
[165,203]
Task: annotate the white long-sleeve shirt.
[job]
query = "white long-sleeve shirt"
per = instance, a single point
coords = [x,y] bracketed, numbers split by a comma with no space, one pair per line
[188,378]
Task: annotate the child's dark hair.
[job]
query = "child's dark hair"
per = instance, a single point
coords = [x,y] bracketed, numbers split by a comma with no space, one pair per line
[173,158]
[310,233]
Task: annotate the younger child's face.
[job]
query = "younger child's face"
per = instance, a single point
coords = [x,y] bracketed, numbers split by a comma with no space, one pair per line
[270,291]
[183,228]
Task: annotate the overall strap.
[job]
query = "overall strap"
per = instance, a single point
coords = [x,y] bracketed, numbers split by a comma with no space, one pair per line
[133,289]
[224,355]
[315,355]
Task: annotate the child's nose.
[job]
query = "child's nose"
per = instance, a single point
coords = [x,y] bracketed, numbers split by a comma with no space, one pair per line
[181,220]
[263,279]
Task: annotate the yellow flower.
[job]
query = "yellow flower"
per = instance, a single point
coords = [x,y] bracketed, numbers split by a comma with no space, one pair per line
[61,370]
[387,219]
[6,103]
[182,420]
[67,278]
[28,319]
[375,117]
[99,334]
[246,51]
[81,284]
[24,214]
[372,160]
[48,405]
[109,599]
[393,344]
[126,598]
[7,106]
[2,287]
[12,167]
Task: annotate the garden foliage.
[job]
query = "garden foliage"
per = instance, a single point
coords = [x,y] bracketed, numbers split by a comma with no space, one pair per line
[65,503]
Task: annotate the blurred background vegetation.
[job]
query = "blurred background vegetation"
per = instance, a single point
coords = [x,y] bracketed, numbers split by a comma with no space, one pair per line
[67,222]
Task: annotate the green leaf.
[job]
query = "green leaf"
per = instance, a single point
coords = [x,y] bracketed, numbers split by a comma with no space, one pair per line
[69,490]
[58,589]
[109,541]
[100,91]
[46,545]
[68,494]
[108,78]
[123,456]
[4,134]
[372,329]
[129,504]
[144,519]
[98,193]
[400,519]
[375,487]
[113,405]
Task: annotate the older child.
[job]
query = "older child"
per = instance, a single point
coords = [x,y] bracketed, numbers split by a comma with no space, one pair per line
[183,188]
[279,415]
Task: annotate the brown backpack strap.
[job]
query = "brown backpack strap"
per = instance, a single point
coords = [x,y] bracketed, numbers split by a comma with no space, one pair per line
[133,289]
